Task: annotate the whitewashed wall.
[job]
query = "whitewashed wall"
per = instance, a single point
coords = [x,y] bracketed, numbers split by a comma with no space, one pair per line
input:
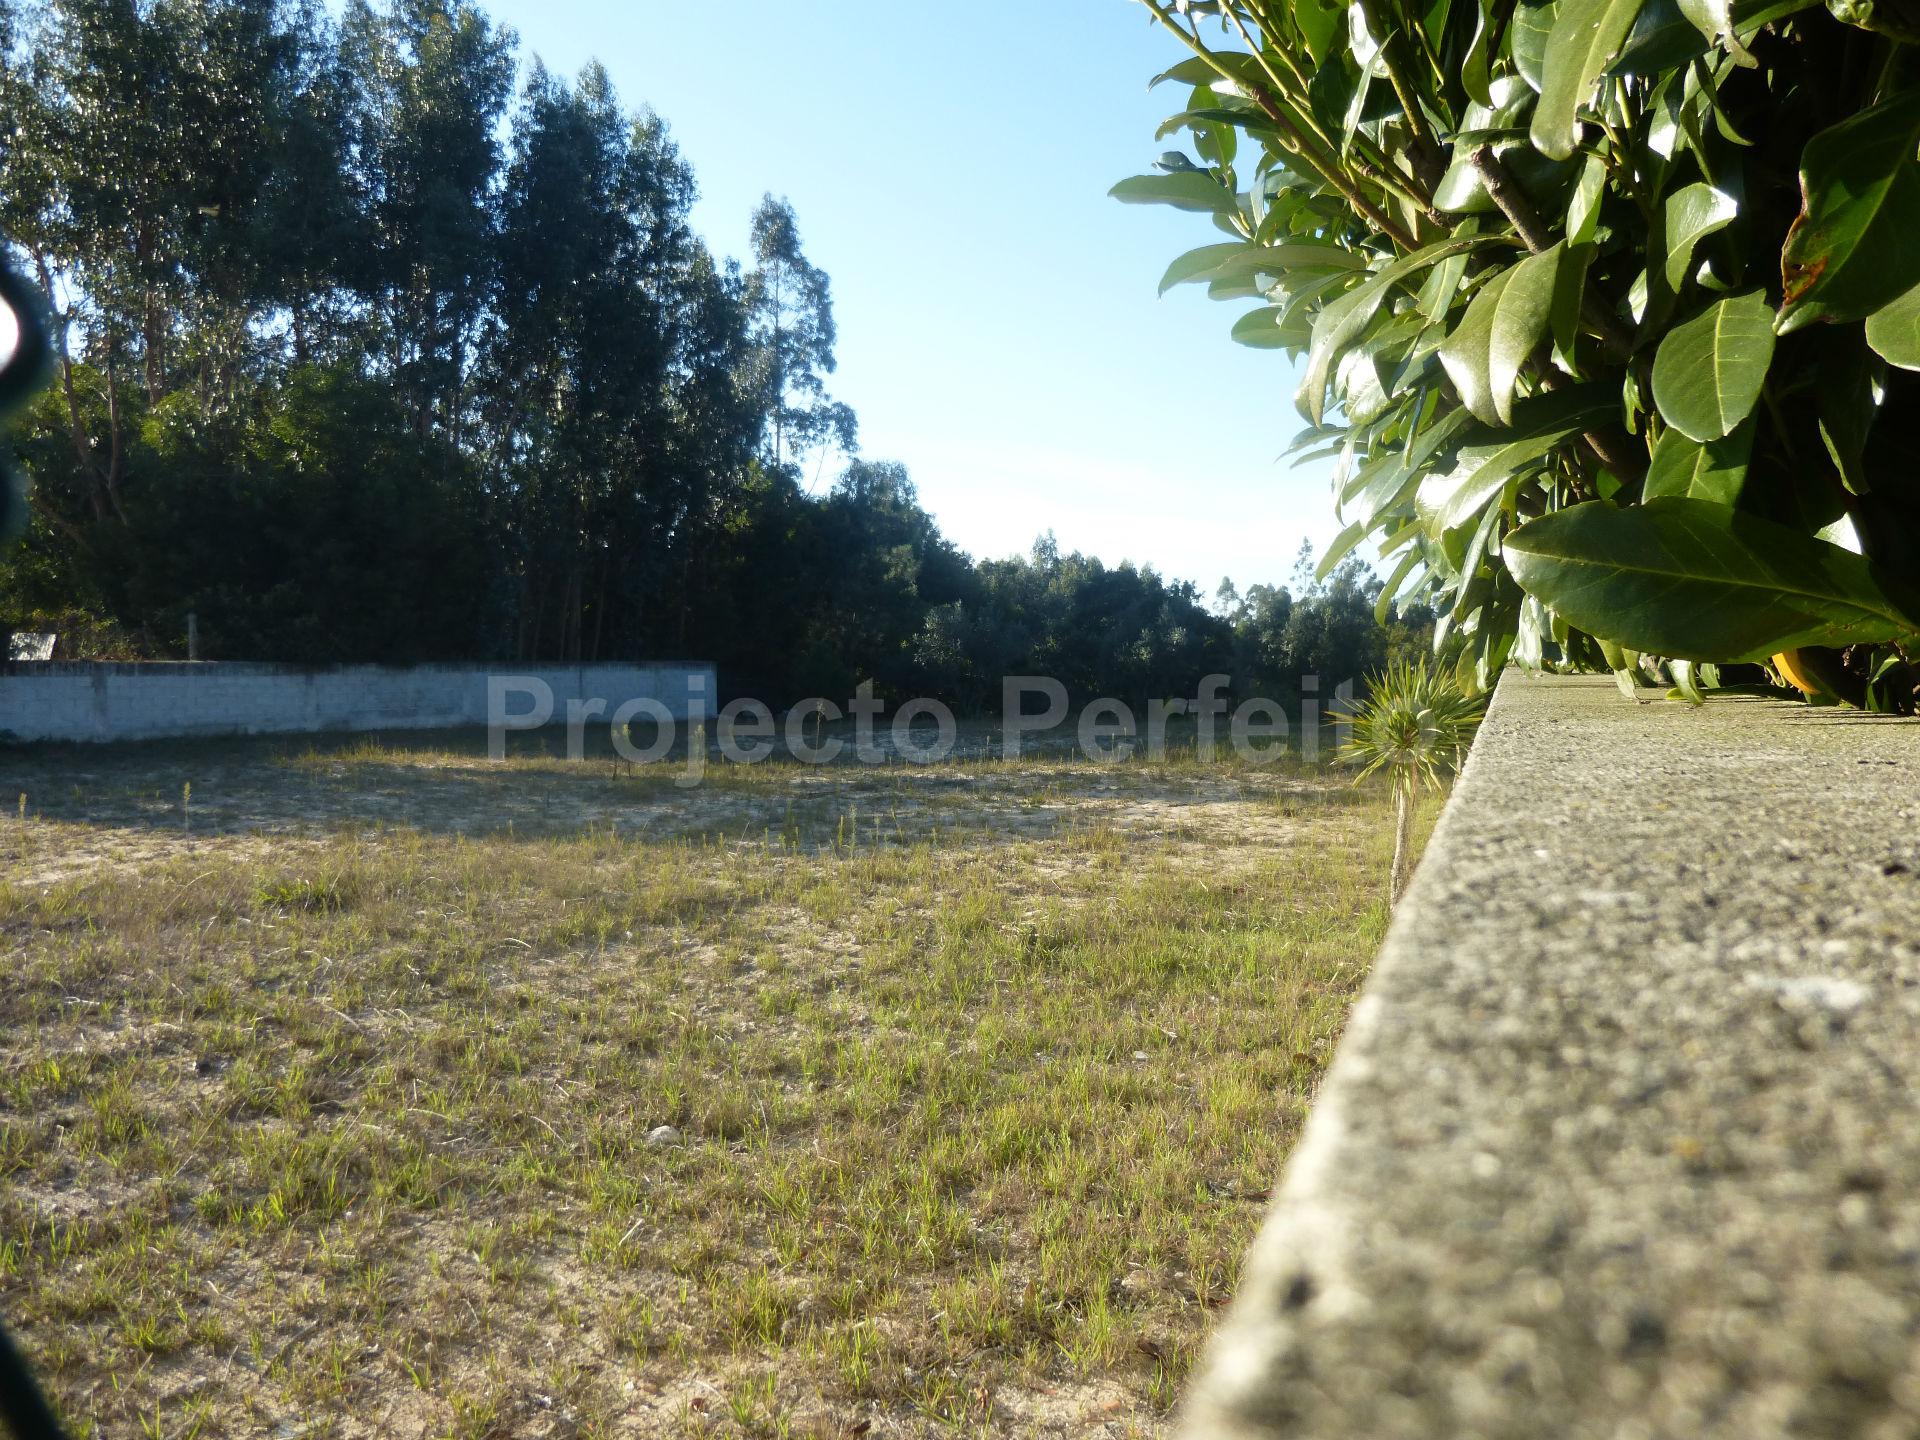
[104,702]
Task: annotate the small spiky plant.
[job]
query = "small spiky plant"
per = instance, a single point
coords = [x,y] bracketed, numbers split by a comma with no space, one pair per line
[1415,724]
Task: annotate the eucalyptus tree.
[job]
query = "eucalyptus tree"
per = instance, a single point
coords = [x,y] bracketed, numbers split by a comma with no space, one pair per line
[95,201]
[791,304]
[111,129]
[150,188]
[312,229]
[581,360]
[256,128]
[1606,310]
[722,494]
[430,81]
[451,364]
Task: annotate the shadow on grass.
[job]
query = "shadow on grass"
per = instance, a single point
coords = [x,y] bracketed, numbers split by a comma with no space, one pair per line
[442,782]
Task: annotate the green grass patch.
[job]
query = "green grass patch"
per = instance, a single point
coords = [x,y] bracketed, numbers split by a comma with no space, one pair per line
[343,1107]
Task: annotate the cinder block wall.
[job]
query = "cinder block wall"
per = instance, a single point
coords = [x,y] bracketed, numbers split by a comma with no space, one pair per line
[54,700]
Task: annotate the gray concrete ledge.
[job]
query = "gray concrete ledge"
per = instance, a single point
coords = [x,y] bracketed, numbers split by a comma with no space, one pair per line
[1623,1139]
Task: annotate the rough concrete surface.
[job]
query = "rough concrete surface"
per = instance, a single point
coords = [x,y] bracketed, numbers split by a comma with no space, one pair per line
[1623,1139]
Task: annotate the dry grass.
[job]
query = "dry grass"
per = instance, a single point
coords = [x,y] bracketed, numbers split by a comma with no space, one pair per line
[326,1085]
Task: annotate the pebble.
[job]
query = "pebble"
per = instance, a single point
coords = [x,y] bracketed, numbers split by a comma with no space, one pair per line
[663,1135]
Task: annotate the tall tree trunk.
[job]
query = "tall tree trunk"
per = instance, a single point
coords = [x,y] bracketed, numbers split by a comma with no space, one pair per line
[536,632]
[153,346]
[599,610]
[99,496]
[1402,842]
[153,321]
[570,615]
[115,448]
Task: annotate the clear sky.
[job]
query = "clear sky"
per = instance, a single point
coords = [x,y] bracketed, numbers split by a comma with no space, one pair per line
[999,332]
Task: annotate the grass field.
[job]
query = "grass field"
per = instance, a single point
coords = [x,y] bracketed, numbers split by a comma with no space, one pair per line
[332,1084]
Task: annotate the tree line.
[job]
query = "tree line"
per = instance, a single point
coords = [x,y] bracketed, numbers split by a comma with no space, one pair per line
[376,345]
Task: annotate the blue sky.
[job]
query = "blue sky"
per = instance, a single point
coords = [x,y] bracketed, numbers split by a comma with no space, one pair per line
[999,332]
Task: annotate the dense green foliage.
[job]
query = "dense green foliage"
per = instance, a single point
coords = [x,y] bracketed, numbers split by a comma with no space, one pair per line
[1607,309]
[368,351]
[361,357]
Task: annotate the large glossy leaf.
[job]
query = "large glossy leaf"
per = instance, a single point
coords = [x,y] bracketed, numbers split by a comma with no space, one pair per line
[1852,250]
[1320,22]
[1184,190]
[1435,299]
[1363,394]
[1520,324]
[1750,16]
[1390,592]
[1446,502]
[1847,399]
[1384,470]
[1242,262]
[1689,215]
[1233,290]
[1698,581]
[1569,296]
[1301,307]
[1708,372]
[1894,331]
[1532,28]
[1888,17]
[1213,119]
[1342,547]
[1502,327]
[1583,209]
[1712,18]
[1587,34]
[1198,264]
[1199,72]
[1262,330]
[1389,493]
[1476,72]
[1344,320]
[1244,117]
[1481,469]
[1191,71]
[1331,91]
[1714,471]
[1499,121]
[1473,593]
[1662,38]
[1416,360]
[1464,355]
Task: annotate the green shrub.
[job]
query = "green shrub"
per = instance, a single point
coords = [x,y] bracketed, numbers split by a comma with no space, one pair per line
[1414,726]
[1608,311]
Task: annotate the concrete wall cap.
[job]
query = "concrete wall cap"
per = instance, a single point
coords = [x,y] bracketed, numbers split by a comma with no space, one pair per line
[1623,1137]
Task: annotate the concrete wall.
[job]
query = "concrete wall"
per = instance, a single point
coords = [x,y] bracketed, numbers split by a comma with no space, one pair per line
[1623,1138]
[105,702]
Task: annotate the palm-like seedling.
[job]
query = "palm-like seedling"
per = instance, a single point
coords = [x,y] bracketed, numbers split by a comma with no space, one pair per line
[1415,724]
